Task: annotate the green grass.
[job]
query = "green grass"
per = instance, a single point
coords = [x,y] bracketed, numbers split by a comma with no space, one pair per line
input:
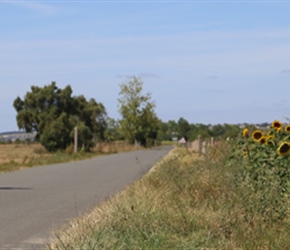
[169,143]
[181,204]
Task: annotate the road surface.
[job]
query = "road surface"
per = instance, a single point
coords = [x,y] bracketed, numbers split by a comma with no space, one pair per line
[36,200]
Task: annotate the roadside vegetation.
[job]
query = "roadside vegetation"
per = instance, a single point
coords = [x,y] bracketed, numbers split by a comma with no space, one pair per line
[225,200]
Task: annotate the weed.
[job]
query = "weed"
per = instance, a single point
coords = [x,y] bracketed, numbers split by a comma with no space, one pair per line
[185,202]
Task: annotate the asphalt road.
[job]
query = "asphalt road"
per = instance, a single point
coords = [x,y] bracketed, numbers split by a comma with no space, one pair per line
[34,201]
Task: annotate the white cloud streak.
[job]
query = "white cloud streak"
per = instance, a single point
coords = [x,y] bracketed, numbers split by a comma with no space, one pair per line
[36,6]
[285,71]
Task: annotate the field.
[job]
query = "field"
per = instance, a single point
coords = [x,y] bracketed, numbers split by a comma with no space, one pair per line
[18,156]
[186,202]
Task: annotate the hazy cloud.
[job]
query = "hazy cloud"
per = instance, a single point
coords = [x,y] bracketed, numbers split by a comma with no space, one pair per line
[281,102]
[141,75]
[122,76]
[148,75]
[213,77]
[217,91]
[36,6]
[285,71]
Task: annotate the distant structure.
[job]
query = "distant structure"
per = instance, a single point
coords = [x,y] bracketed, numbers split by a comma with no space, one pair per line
[182,141]
[16,135]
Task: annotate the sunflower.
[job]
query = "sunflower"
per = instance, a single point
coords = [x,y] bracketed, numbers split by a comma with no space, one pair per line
[287,128]
[257,134]
[284,149]
[245,152]
[263,139]
[276,125]
[246,132]
[269,140]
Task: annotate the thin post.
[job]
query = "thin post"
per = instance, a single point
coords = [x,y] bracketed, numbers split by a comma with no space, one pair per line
[199,145]
[76,140]
[206,147]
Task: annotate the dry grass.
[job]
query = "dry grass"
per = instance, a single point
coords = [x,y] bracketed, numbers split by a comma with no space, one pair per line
[145,205]
[186,203]
[20,153]
[113,147]
[18,156]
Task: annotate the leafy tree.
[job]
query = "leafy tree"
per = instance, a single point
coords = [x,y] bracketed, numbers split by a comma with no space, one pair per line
[231,131]
[183,128]
[172,128]
[217,130]
[164,133]
[112,132]
[54,113]
[139,122]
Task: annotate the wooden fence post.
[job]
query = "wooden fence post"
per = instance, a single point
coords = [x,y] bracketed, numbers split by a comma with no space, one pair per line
[76,140]
[206,147]
[199,144]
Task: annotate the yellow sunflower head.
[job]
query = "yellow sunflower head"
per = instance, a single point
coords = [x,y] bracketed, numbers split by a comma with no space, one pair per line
[246,132]
[269,140]
[284,149]
[257,134]
[263,139]
[287,128]
[276,125]
[245,152]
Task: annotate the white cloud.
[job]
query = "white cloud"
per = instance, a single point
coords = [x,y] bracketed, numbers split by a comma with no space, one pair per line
[36,6]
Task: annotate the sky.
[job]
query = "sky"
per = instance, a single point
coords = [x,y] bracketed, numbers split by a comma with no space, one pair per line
[210,62]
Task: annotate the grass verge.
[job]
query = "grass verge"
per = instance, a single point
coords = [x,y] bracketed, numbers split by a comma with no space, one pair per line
[185,203]
[19,156]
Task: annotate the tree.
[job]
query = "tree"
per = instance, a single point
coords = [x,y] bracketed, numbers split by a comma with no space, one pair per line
[54,113]
[183,128]
[112,130]
[139,122]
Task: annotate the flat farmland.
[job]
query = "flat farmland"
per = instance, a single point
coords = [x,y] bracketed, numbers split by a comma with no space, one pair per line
[17,156]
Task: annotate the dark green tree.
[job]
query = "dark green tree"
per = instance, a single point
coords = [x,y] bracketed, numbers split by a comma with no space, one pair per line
[164,133]
[218,130]
[53,113]
[139,122]
[172,129]
[183,128]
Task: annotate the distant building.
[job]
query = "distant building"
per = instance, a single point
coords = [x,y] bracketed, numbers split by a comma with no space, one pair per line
[13,136]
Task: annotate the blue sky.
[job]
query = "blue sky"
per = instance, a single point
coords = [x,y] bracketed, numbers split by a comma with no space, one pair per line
[206,61]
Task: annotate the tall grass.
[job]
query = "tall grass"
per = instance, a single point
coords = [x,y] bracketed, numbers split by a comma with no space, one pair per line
[186,202]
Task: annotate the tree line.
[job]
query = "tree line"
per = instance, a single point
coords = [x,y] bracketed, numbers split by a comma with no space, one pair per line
[53,113]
